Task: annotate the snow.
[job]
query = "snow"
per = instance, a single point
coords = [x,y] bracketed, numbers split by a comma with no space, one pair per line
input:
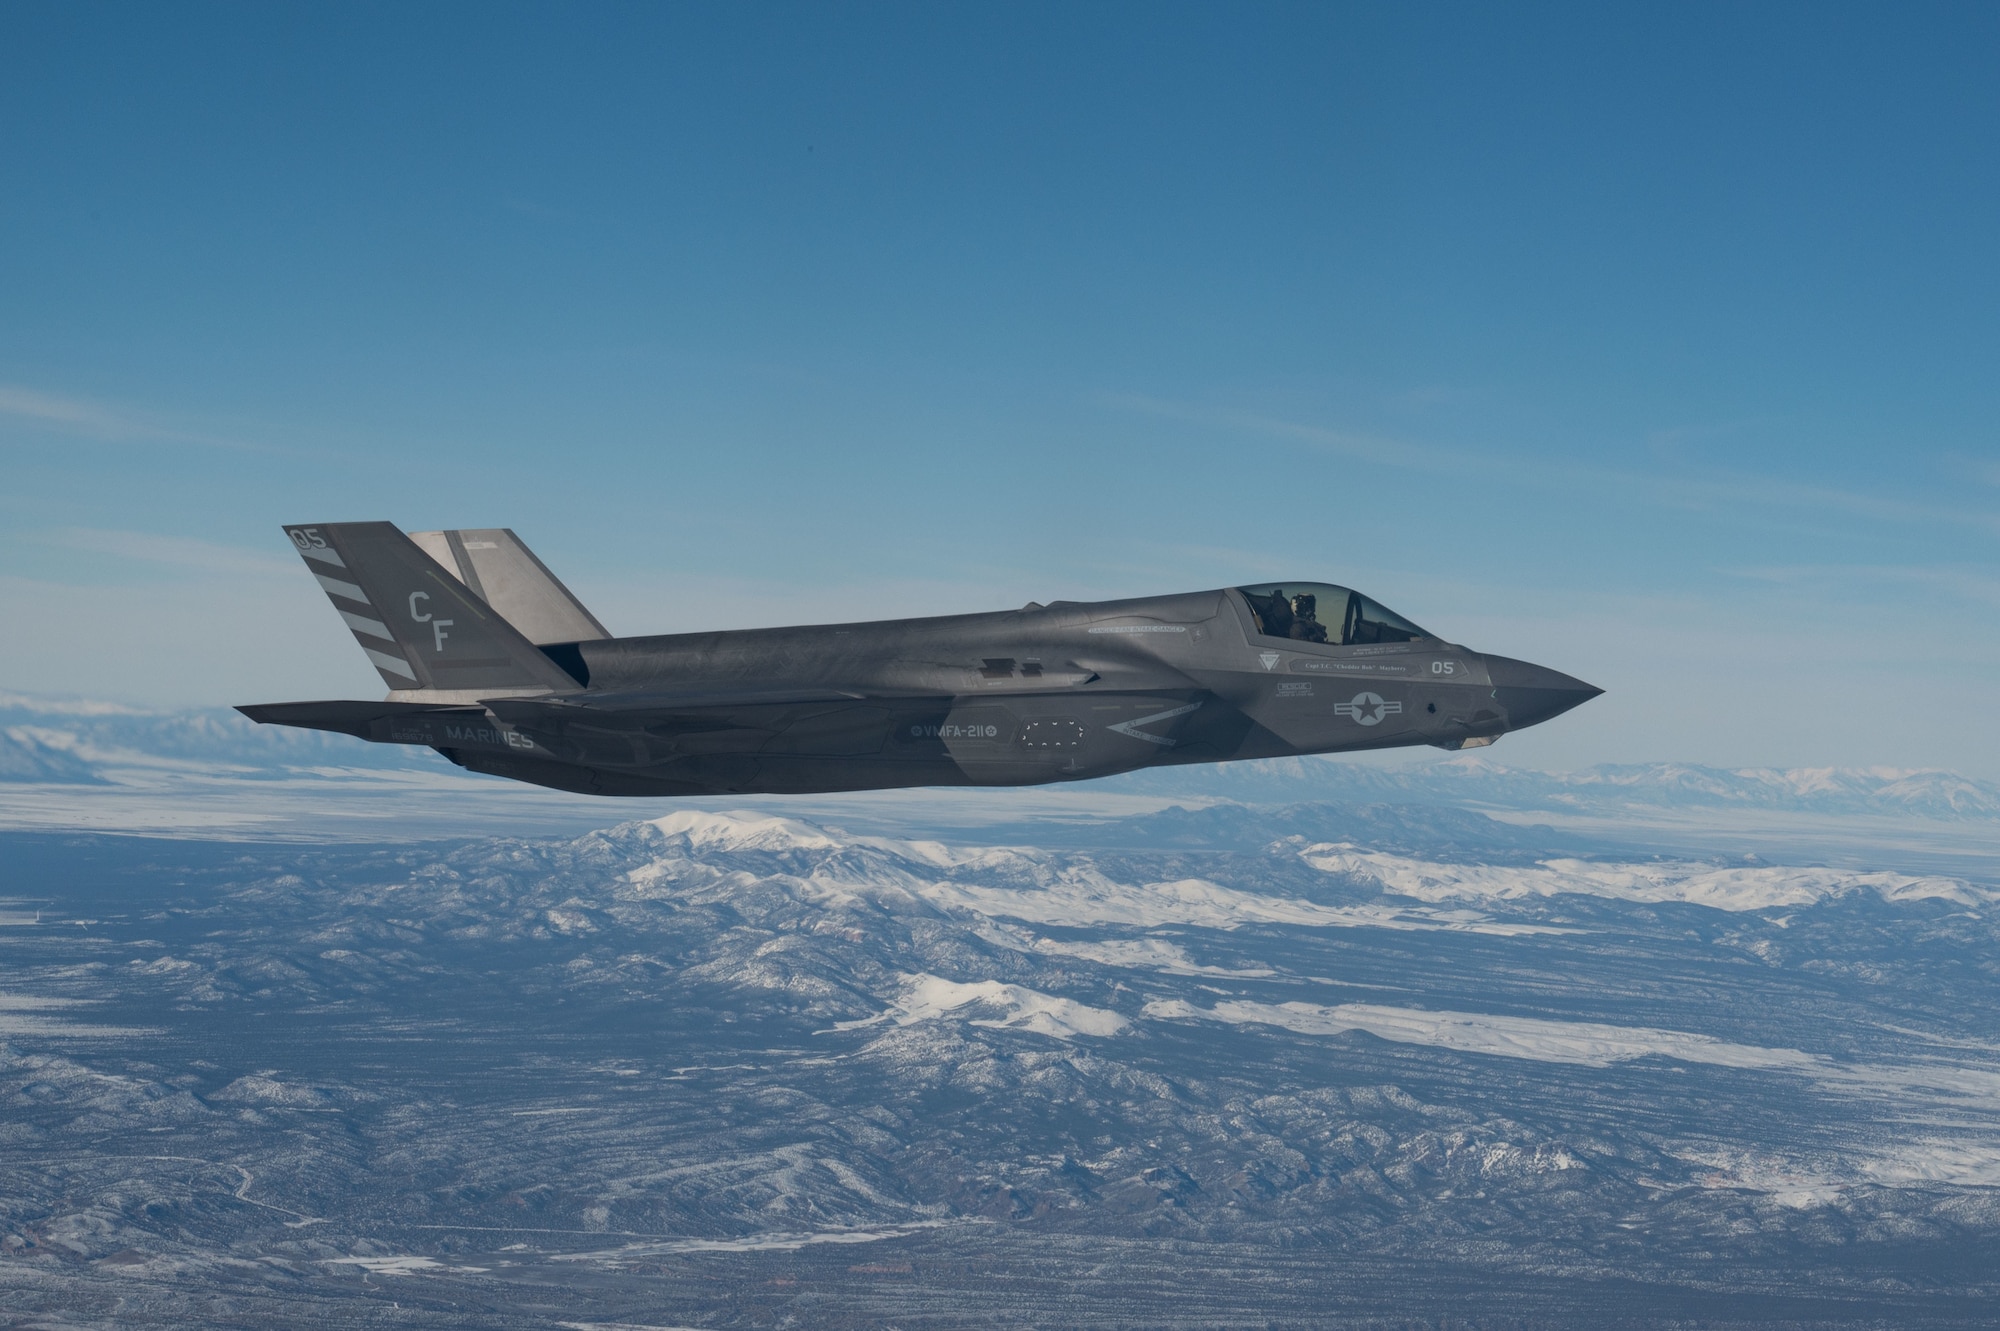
[1740,888]
[1155,954]
[1969,1160]
[769,1242]
[1022,884]
[1961,1163]
[1589,1043]
[13,1022]
[266,1088]
[399,1266]
[1954,1086]
[930,997]
[741,831]
[1087,898]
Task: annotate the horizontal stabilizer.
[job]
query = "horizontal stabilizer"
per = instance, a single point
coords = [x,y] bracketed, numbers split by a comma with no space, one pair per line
[686,700]
[359,719]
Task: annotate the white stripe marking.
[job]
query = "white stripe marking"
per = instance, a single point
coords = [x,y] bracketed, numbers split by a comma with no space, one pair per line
[1132,727]
[393,664]
[336,587]
[324,554]
[374,628]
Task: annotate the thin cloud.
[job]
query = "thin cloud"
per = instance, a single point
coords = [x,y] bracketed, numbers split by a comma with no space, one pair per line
[1742,488]
[1342,443]
[96,420]
[87,416]
[1961,583]
[1713,488]
[67,706]
[171,551]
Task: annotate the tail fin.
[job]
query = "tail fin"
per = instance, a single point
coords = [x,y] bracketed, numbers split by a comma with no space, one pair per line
[502,571]
[419,624]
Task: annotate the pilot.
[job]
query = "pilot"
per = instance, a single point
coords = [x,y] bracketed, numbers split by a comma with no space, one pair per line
[1276,614]
[1305,622]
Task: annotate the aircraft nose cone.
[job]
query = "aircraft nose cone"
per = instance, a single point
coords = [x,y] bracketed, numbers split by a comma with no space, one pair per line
[1530,694]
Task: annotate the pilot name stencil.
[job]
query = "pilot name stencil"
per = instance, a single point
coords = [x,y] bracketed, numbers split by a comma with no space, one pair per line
[1315,666]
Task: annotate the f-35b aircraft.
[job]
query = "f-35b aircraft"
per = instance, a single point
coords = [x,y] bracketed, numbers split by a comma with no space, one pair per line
[490,661]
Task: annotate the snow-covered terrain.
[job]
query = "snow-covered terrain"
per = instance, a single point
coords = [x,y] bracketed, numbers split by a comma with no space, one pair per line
[78,764]
[1307,1064]
[1733,887]
[1606,790]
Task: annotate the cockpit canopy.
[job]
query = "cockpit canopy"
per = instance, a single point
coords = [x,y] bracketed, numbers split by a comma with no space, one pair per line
[1321,612]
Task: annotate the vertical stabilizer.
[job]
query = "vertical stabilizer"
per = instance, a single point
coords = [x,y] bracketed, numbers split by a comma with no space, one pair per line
[419,624]
[498,567]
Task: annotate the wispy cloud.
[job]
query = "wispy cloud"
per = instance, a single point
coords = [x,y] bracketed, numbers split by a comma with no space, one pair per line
[97,420]
[1705,488]
[64,411]
[66,706]
[172,551]
[1957,582]
[1741,488]
[1342,443]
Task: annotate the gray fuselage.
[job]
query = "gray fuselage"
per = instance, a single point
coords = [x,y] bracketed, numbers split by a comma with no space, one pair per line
[1061,692]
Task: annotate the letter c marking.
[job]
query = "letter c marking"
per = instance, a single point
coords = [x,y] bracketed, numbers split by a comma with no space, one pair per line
[425,617]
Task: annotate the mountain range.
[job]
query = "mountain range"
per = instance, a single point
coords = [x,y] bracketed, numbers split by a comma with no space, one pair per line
[1324,1065]
[71,741]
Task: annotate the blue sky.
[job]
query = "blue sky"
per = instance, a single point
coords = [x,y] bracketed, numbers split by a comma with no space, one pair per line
[1655,343]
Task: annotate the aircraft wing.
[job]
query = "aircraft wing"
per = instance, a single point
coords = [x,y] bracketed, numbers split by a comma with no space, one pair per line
[731,718]
[609,707]
[683,711]
[346,717]
[623,729]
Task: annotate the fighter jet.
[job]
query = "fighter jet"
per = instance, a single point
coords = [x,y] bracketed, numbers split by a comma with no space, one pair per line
[493,663]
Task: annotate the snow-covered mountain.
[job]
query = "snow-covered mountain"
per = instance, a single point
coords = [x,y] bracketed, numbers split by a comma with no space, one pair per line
[67,739]
[1606,790]
[1334,1067]
[46,740]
